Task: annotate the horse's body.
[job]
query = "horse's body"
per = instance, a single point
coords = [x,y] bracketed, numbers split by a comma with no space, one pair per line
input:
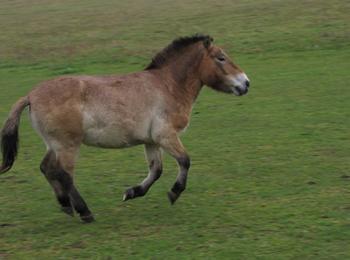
[103,111]
[150,107]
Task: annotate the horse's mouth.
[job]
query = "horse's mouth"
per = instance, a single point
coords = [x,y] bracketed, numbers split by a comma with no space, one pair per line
[239,91]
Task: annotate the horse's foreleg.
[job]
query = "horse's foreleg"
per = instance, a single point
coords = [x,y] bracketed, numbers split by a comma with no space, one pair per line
[154,159]
[174,147]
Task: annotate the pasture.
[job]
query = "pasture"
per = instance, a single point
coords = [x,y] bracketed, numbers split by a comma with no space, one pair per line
[270,171]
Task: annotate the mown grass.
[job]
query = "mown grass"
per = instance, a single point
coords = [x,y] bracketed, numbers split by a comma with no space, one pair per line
[270,171]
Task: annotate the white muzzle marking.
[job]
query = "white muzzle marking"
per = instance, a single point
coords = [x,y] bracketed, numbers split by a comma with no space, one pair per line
[239,83]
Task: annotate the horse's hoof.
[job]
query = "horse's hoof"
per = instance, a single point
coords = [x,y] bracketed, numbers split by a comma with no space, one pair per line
[87,219]
[134,192]
[129,194]
[173,197]
[68,210]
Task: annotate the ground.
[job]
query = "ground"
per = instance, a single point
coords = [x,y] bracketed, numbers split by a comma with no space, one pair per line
[270,171]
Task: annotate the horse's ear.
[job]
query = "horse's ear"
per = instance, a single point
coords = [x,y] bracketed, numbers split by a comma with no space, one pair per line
[207,42]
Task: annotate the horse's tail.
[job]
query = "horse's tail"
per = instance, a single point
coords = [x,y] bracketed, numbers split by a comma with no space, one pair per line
[9,135]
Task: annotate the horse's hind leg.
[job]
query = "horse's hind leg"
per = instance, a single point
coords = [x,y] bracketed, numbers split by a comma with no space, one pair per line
[61,172]
[64,171]
[48,167]
[154,159]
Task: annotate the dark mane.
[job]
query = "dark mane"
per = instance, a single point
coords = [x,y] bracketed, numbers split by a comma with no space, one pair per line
[177,45]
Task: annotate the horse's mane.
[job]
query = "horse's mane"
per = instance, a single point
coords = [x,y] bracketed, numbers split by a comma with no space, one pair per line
[177,45]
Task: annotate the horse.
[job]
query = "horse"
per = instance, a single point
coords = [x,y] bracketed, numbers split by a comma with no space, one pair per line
[150,107]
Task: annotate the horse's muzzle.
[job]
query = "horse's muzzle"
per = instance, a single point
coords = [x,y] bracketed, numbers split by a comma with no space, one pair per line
[240,84]
[240,91]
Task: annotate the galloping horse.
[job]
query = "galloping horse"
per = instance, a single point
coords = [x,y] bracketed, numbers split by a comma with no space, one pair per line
[150,107]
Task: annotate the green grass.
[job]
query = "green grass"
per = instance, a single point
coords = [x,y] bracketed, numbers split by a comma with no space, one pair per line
[270,171]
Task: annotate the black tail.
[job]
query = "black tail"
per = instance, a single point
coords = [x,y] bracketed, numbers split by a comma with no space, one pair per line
[9,135]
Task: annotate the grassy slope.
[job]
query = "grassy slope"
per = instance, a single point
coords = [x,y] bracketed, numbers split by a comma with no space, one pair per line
[269,175]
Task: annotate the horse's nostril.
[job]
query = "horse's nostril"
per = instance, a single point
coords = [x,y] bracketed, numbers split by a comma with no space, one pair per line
[247,83]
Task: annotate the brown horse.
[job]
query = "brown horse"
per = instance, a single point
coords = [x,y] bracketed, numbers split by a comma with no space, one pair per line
[150,107]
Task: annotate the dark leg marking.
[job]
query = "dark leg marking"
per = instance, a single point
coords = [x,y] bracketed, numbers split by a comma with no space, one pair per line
[68,196]
[180,184]
[153,154]
[141,190]
[133,192]
[184,162]
[80,206]
[47,167]
[66,205]
[77,201]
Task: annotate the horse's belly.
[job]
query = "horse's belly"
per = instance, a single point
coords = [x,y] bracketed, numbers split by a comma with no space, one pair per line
[113,133]
[109,139]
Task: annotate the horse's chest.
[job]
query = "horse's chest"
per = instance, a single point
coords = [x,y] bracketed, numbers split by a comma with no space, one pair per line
[180,122]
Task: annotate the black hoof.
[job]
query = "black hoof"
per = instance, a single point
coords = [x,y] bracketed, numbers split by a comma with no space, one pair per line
[87,219]
[68,210]
[129,194]
[173,197]
[133,192]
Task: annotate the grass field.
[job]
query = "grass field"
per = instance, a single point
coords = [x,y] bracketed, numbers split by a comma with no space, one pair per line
[270,171]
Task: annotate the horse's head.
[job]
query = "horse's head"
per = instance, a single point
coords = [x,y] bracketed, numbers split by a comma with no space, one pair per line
[220,73]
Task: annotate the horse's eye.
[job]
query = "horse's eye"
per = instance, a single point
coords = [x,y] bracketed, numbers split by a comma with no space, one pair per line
[221,58]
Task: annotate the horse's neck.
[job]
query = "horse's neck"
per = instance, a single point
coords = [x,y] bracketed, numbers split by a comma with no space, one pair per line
[185,78]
